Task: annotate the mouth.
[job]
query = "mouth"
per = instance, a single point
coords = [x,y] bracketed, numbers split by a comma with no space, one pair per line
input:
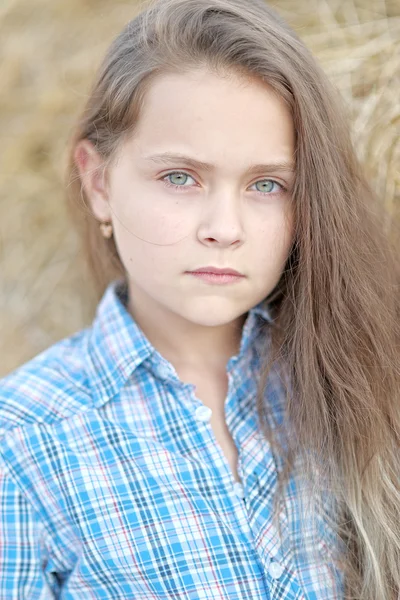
[216,278]
[217,271]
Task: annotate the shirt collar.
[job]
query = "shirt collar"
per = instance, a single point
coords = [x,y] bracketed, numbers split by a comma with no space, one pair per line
[116,346]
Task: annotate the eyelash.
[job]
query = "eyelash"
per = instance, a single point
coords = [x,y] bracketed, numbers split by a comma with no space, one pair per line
[180,187]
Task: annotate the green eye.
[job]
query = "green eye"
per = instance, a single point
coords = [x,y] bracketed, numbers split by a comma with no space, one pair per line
[178,178]
[266,185]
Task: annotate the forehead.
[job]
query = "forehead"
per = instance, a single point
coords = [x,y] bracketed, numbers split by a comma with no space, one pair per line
[227,113]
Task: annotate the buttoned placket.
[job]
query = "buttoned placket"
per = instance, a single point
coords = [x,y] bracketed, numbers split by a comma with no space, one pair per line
[202,414]
[274,567]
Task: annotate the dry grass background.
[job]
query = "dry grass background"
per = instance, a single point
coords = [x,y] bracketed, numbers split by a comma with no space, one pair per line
[49,51]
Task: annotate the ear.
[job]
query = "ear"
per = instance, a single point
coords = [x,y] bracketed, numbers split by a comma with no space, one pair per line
[91,167]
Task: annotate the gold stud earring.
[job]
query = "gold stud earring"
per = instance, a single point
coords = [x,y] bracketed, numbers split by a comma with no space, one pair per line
[106,229]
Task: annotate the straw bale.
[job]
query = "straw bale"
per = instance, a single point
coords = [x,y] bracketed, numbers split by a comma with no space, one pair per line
[49,52]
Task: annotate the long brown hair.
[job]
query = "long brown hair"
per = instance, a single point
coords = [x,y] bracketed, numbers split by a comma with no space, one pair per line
[335,337]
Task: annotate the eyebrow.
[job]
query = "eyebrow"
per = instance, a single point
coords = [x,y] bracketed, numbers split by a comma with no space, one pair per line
[167,157]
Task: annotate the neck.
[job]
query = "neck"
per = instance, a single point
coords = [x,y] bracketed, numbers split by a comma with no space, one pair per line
[185,344]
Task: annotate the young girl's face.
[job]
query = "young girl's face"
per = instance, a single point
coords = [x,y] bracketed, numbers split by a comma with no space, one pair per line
[213,205]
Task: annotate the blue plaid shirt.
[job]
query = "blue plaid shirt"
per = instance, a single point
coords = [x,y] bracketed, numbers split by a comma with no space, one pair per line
[113,485]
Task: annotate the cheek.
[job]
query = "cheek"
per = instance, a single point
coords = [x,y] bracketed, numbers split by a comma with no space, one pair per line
[163,219]
[272,246]
[275,230]
[149,239]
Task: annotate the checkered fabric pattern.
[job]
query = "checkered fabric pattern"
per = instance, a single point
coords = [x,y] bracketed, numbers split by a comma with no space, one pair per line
[113,485]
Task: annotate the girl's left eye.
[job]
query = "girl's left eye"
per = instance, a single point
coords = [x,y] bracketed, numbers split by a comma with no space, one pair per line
[181,179]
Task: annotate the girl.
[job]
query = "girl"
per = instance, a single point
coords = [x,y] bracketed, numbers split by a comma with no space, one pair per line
[228,426]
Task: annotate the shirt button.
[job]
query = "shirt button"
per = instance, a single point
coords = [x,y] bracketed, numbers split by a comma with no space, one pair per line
[163,371]
[274,551]
[203,413]
[238,488]
[275,570]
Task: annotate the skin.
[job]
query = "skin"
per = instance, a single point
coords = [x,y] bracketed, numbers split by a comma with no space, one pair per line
[222,217]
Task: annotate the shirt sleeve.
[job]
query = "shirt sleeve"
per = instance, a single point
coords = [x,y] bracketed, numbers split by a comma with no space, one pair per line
[25,565]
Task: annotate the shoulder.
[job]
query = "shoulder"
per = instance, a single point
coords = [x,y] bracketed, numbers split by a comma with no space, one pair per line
[51,386]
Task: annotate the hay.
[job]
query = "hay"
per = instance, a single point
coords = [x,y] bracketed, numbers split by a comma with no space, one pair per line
[50,51]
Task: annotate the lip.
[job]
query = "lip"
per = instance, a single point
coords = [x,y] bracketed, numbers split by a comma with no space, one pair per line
[217,271]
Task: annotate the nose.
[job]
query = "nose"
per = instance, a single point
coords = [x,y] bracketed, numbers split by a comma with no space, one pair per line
[221,220]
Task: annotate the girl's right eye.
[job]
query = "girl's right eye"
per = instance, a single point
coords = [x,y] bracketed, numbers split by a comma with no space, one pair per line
[178,179]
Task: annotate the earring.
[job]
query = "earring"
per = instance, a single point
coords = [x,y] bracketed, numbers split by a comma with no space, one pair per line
[106,229]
